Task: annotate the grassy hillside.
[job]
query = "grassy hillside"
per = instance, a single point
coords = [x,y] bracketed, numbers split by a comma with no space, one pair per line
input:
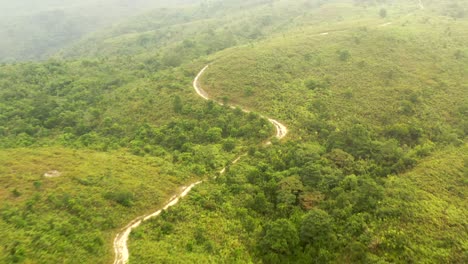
[374,168]
[73,218]
[378,75]
[244,217]
[427,211]
[124,139]
[188,32]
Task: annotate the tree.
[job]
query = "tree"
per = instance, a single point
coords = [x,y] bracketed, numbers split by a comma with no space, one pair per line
[279,239]
[289,190]
[213,134]
[344,55]
[355,140]
[171,59]
[383,13]
[312,84]
[229,144]
[316,228]
[124,198]
[177,104]
[341,159]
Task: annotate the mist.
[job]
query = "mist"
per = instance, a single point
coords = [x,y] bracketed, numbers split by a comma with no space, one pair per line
[35,30]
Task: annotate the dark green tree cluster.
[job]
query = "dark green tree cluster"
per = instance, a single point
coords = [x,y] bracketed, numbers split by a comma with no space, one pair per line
[295,203]
[83,106]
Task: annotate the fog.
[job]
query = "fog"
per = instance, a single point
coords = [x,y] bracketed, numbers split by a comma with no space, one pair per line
[36,29]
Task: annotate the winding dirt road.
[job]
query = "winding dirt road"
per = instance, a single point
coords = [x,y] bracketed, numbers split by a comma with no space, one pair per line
[281,130]
[120,242]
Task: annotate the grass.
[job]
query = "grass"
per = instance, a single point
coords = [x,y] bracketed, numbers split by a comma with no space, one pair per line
[432,202]
[364,71]
[387,66]
[73,218]
[365,76]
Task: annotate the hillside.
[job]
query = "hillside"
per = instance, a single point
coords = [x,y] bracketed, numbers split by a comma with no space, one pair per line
[124,140]
[36,30]
[344,77]
[72,218]
[258,213]
[192,31]
[373,168]
[377,112]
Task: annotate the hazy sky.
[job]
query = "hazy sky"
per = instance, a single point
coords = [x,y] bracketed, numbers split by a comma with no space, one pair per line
[24,7]
[36,29]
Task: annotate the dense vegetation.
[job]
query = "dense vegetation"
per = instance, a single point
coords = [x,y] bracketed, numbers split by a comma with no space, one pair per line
[73,218]
[297,204]
[110,104]
[374,169]
[124,139]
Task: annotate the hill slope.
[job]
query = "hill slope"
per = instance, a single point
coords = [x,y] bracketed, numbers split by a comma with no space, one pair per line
[373,170]
[32,30]
[377,111]
[123,139]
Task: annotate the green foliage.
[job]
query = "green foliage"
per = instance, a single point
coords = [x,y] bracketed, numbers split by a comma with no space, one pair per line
[279,239]
[383,13]
[313,84]
[316,229]
[373,169]
[84,107]
[349,183]
[344,55]
[229,144]
[53,215]
[178,106]
[122,197]
[95,121]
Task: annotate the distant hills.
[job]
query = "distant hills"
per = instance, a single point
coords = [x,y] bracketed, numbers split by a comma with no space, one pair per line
[35,30]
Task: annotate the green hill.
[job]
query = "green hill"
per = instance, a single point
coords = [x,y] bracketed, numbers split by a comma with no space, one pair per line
[73,218]
[193,31]
[124,139]
[36,30]
[377,112]
[373,169]
[258,213]
[378,74]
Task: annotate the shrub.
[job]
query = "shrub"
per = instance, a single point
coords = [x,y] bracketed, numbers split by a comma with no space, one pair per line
[344,55]
[383,13]
[124,198]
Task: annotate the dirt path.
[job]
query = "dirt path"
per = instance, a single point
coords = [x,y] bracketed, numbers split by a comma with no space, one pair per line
[196,84]
[120,242]
[281,130]
[385,24]
[421,4]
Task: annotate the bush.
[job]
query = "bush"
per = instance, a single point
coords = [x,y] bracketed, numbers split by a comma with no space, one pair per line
[344,55]
[383,13]
[313,84]
[229,144]
[124,198]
